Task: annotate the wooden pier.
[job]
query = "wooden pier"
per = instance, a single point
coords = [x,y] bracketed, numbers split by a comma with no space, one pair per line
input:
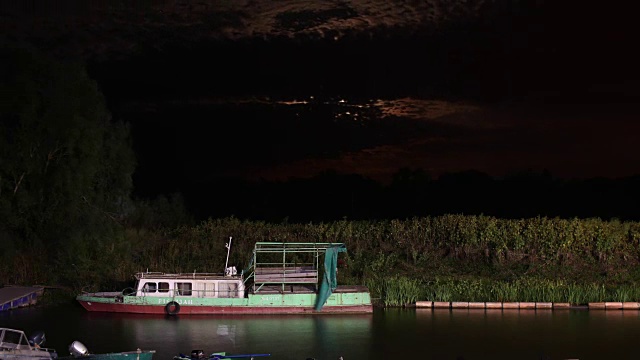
[12,297]
[527,305]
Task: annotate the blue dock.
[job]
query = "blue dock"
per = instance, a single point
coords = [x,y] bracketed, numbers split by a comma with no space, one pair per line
[12,297]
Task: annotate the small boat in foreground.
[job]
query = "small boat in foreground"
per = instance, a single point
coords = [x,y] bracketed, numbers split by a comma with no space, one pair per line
[14,345]
[80,352]
[283,278]
[199,355]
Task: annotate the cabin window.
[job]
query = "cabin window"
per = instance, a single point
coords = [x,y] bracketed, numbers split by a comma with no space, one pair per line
[227,289]
[163,287]
[184,289]
[149,287]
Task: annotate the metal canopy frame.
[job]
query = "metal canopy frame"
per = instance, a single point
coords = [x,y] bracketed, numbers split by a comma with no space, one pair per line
[287,267]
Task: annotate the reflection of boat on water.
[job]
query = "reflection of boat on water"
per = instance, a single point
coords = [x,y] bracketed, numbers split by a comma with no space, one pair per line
[199,355]
[284,336]
[14,345]
[283,279]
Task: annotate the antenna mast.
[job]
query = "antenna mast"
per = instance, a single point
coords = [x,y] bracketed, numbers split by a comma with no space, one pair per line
[228,246]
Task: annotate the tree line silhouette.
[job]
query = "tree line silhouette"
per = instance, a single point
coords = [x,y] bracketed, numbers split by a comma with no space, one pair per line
[412,193]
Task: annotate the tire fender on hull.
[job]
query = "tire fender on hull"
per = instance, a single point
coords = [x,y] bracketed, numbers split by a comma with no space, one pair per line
[172,308]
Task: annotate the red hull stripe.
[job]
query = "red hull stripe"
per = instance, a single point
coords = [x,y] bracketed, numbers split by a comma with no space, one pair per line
[203,310]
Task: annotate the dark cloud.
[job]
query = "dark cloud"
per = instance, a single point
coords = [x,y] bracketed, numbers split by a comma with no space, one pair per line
[497,49]
[290,88]
[95,27]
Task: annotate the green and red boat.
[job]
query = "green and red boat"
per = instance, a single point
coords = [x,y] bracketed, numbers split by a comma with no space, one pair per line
[283,279]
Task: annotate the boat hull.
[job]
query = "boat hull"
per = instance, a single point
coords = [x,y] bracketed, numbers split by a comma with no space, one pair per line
[349,302]
[129,355]
[26,355]
[213,310]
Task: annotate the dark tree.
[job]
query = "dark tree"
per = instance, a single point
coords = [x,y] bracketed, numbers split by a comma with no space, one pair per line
[65,166]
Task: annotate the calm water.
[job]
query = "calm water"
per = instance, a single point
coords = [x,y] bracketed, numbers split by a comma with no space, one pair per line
[412,334]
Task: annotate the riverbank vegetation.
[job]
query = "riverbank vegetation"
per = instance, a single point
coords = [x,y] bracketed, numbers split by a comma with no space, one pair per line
[443,258]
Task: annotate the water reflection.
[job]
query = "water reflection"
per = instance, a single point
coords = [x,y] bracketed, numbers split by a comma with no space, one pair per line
[285,337]
[509,334]
[411,333]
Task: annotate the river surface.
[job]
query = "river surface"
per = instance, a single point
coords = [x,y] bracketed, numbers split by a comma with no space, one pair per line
[386,334]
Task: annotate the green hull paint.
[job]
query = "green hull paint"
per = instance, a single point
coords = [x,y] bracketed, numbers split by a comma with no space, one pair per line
[130,355]
[257,300]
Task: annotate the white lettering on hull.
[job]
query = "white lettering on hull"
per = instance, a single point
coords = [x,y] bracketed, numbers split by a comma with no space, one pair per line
[179,301]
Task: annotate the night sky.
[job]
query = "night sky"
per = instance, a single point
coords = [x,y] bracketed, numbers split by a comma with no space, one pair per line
[278,89]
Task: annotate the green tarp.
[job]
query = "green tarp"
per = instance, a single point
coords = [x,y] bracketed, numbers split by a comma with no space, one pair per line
[329,281]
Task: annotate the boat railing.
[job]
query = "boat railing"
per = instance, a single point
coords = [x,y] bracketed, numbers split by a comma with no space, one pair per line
[49,350]
[11,339]
[286,274]
[194,275]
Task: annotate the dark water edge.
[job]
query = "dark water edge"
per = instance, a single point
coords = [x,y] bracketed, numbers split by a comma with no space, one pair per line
[392,333]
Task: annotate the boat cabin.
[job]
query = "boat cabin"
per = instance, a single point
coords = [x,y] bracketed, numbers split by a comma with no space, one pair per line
[196,285]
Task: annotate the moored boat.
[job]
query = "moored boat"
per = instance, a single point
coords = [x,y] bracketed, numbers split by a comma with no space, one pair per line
[14,345]
[80,352]
[282,279]
[199,355]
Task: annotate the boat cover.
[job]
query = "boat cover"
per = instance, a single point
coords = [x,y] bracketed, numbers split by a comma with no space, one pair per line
[329,280]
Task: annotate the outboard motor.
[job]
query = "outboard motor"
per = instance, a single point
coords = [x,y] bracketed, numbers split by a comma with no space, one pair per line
[78,349]
[197,354]
[37,339]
